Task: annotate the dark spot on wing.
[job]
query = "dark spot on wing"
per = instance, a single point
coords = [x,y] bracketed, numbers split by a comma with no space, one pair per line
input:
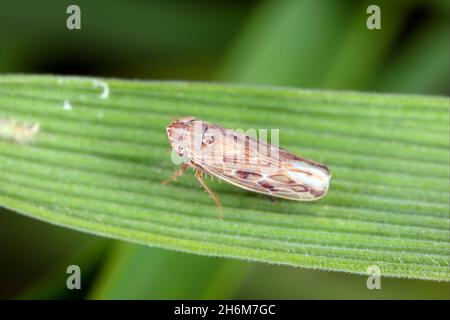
[266,185]
[317,192]
[248,175]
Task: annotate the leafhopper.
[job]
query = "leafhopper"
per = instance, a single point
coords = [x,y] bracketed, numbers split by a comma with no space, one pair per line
[244,161]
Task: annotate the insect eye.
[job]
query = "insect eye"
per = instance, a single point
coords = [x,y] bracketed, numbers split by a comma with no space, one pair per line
[208,139]
[180,149]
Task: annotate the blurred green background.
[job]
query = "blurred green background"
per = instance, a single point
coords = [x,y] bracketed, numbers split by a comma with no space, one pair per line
[308,44]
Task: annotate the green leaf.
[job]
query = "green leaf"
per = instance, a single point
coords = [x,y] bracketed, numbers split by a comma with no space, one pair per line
[191,276]
[96,166]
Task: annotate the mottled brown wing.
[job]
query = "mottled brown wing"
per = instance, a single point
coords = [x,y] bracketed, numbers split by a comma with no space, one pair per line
[276,173]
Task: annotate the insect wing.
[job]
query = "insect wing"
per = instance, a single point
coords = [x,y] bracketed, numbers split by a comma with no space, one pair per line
[267,169]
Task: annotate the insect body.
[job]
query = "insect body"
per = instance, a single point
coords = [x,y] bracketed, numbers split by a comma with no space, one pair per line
[245,162]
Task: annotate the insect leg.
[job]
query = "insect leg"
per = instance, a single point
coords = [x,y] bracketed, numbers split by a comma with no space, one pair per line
[178,173]
[211,194]
[271,199]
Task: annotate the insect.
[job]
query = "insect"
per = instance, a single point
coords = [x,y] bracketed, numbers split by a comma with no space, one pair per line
[244,161]
[18,131]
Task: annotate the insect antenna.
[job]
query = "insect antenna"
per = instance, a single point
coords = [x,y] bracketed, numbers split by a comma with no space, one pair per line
[161,160]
